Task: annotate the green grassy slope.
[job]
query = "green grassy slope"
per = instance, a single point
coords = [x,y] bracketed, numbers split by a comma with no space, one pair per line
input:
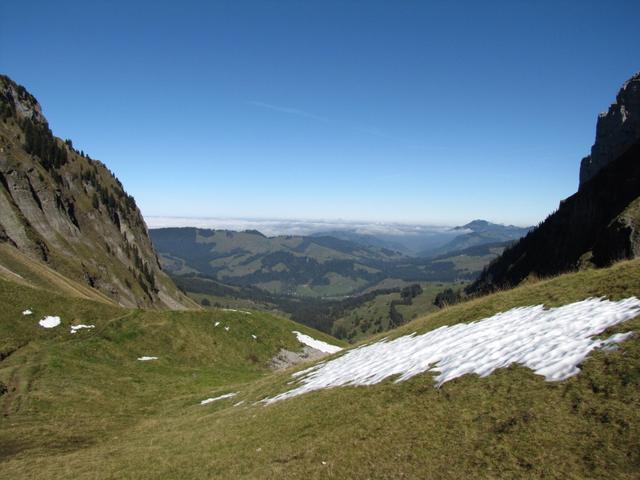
[17,267]
[65,391]
[511,424]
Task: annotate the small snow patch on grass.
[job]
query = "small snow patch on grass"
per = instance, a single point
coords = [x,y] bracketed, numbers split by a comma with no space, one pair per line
[27,312]
[221,397]
[226,328]
[75,328]
[254,337]
[236,311]
[317,344]
[216,324]
[49,322]
[146,359]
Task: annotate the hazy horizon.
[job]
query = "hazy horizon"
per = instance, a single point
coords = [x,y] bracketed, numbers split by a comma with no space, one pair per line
[298,226]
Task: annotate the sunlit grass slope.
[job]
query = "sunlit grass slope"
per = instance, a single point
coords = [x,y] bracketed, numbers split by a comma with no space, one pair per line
[88,409]
[66,391]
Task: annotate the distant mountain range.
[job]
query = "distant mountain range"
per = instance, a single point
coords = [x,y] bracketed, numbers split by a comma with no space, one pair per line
[311,266]
[435,242]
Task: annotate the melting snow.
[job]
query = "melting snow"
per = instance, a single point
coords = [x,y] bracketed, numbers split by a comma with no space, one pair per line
[75,328]
[551,342]
[317,344]
[146,359]
[216,324]
[239,403]
[27,312]
[221,397]
[236,311]
[254,337]
[49,322]
[226,328]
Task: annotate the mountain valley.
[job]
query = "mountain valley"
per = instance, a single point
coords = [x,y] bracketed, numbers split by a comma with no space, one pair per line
[480,351]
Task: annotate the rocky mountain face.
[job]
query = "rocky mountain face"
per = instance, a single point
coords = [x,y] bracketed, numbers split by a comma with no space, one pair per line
[70,213]
[616,130]
[596,226]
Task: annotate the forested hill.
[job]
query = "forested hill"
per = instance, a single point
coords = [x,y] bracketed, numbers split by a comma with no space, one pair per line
[316,266]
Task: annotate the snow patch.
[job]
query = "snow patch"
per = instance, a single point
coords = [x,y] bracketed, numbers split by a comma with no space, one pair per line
[239,403]
[75,328]
[254,337]
[27,312]
[216,324]
[551,342]
[226,328]
[146,359]
[236,311]
[221,397]
[49,322]
[317,344]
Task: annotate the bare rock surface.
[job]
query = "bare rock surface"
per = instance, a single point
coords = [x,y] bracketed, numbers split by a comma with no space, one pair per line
[617,129]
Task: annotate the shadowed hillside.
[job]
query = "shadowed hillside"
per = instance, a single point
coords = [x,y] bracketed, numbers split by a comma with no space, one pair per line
[596,226]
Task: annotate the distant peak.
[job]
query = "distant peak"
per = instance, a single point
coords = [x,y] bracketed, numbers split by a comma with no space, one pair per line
[474,225]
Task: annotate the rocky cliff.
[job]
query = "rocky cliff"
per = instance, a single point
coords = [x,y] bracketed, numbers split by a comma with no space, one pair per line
[68,212]
[597,225]
[616,130]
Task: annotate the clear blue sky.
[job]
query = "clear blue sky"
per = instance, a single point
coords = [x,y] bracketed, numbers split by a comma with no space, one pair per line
[414,111]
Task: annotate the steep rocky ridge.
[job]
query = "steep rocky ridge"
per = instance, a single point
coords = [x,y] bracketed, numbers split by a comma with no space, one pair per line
[596,226]
[68,212]
[616,130]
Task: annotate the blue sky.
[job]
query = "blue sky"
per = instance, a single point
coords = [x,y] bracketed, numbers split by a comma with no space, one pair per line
[408,111]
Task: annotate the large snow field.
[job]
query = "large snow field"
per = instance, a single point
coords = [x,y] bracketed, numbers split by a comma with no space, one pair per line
[551,342]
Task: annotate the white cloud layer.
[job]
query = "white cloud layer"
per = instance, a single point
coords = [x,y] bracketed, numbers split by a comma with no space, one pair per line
[272,227]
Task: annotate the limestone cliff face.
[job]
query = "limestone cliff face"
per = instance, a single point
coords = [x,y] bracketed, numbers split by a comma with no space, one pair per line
[597,225]
[68,211]
[616,130]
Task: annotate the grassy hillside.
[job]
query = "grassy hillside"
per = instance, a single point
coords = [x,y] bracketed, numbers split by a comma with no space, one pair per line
[17,267]
[85,408]
[374,316]
[64,391]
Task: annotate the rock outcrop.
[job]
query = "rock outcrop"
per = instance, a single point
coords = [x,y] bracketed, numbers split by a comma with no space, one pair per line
[596,226]
[616,130]
[62,208]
